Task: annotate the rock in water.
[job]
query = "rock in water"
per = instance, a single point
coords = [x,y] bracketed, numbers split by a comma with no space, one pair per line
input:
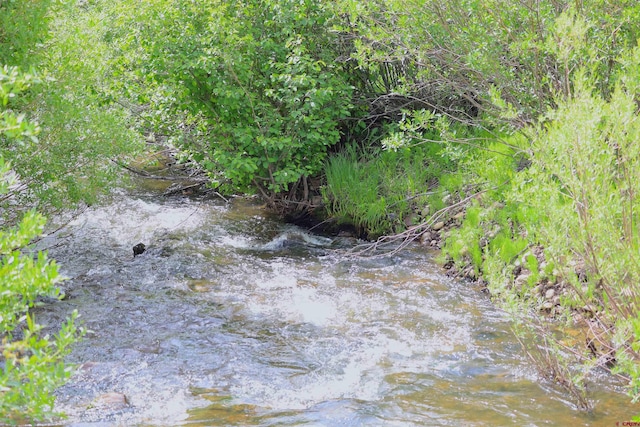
[139,249]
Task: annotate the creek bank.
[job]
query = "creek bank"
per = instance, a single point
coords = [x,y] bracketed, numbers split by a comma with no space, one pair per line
[552,295]
[546,294]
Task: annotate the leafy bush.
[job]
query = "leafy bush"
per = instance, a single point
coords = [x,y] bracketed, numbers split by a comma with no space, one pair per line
[566,185]
[32,363]
[577,199]
[81,132]
[257,79]
[585,169]
[449,56]
[23,25]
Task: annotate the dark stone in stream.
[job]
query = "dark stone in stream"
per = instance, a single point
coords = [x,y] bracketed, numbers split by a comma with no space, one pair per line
[139,249]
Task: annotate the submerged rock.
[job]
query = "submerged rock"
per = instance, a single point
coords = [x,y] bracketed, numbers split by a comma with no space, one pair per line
[111,401]
[296,239]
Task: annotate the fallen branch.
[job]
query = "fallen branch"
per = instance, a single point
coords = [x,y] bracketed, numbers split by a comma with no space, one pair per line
[148,175]
[388,245]
[180,188]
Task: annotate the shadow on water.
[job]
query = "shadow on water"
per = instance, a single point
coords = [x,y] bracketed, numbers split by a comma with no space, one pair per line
[233,318]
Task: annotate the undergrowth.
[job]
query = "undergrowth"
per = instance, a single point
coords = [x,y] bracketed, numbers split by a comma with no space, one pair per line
[386,192]
[566,223]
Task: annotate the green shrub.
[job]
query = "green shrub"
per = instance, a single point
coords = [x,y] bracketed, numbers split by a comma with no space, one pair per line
[463,243]
[352,194]
[452,55]
[23,25]
[577,200]
[32,363]
[80,132]
[585,168]
[253,87]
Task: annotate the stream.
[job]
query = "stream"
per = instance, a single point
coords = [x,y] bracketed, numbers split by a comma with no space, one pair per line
[232,317]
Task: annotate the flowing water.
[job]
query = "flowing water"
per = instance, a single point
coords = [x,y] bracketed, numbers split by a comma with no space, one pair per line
[233,318]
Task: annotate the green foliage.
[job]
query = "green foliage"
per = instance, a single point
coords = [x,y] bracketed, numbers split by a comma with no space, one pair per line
[576,197]
[257,79]
[12,125]
[507,247]
[463,246]
[353,196]
[33,369]
[586,162]
[377,193]
[32,363]
[70,160]
[23,26]
[452,55]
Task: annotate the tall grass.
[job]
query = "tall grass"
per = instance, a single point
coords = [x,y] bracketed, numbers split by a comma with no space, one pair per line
[381,194]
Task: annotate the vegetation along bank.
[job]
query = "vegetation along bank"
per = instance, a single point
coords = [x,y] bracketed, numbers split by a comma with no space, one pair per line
[504,133]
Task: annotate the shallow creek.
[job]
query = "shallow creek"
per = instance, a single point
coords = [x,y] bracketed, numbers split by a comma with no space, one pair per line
[233,318]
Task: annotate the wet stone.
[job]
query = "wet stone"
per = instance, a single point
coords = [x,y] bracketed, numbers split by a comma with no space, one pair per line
[521,280]
[548,305]
[411,220]
[139,249]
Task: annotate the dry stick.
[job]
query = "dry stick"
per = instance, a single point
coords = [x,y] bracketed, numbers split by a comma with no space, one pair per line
[410,234]
[159,177]
[549,366]
[328,220]
[415,196]
[221,196]
[180,189]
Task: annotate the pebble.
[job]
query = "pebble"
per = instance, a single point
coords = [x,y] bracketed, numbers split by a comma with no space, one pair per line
[521,280]
[438,226]
[549,294]
[410,220]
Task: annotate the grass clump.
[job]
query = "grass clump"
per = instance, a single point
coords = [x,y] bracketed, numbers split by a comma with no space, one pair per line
[384,193]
